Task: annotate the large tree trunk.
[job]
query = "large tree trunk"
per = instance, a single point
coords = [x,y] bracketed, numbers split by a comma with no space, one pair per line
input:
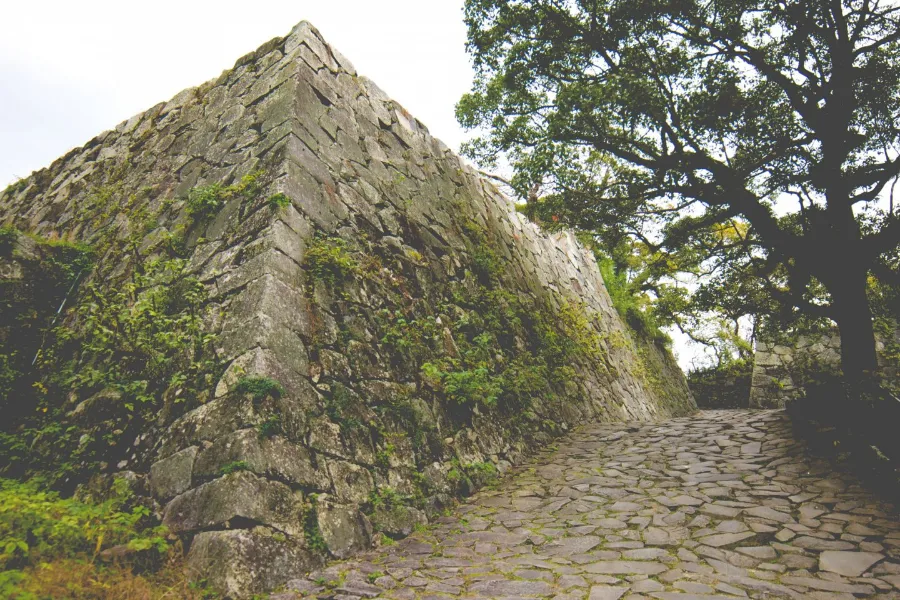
[854,319]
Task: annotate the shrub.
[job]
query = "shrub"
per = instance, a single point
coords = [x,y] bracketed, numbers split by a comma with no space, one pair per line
[143,336]
[270,427]
[259,388]
[204,202]
[328,260]
[279,201]
[38,526]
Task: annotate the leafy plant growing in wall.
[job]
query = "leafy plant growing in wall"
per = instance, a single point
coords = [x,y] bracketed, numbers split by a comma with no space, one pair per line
[328,259]
[203,202]
[259,388]
[128,355]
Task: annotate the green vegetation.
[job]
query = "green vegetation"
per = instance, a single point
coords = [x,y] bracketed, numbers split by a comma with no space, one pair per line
[709,134]
[205,201]
[16,186]
[104,349]
[8,237]
[49,547]
[234,467]
[259,388]
[311,531]
[387,498]
[138,351]
[39,526]
[374,576]
[338,407]
[633,307]
[270,427]
[329,260]
[469,477]
[722,386]
[278,201]
[52,268]
[489,349]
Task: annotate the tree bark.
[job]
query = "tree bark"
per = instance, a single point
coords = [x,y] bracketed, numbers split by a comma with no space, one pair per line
[854,319]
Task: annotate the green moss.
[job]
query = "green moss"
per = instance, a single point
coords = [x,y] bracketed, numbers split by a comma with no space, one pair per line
[259,388]
[374,576]
[338,406]
[234,467]
[481,473]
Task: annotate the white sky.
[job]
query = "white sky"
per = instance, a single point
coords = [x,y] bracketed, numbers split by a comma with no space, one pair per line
[72,69]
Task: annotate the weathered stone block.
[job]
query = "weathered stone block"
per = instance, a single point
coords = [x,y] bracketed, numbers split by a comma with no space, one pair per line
[208,422]
[352,483]
[240,563]
[397,521]
[241,497]
[344,528]
[172,476]
[272,457]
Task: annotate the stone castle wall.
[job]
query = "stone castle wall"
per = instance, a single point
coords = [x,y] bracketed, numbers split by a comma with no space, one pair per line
[424,251]
[780,369]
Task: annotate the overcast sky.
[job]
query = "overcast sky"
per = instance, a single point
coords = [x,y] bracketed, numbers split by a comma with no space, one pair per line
[72,69]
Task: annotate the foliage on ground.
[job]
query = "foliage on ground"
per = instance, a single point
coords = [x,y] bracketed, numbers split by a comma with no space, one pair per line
[53,547]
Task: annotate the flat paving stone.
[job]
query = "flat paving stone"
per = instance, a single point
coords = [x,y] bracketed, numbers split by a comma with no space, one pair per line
[849,564]
[719,505]
[606,592]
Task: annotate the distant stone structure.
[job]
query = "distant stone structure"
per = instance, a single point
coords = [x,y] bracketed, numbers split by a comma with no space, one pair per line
[362,278]
[780,368]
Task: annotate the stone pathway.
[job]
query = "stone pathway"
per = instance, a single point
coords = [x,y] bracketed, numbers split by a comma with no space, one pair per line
[724,504]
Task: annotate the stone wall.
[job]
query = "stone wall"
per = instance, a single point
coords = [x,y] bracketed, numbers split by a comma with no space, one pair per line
[781,368]
[421,332]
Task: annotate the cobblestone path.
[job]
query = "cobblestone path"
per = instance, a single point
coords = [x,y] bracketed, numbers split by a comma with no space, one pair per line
[723,504]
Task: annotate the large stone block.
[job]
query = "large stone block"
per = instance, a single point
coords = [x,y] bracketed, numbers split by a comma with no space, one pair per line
[397,521]
[209,422]
[172,476]
[241,563]
[352,483]
[344,528]
[273,457]
[239,497]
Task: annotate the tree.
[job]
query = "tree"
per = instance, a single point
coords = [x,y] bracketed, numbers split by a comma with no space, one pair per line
[671,119]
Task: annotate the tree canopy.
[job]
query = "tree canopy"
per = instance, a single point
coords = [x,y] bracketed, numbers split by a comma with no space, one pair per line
[753,140]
